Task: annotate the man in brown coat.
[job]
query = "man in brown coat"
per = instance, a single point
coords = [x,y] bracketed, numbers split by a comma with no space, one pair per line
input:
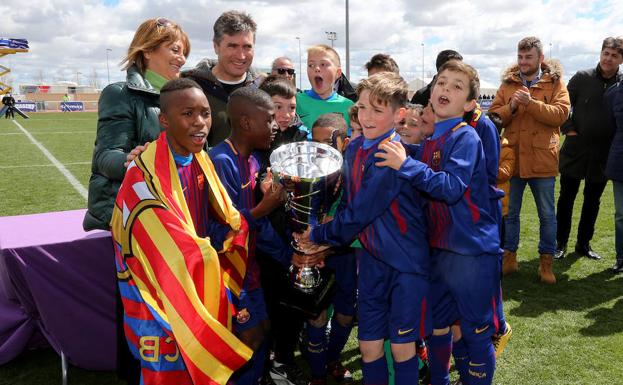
[533,102]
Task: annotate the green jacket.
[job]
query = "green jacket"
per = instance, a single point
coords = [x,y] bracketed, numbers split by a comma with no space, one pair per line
[217,97]
[127,116]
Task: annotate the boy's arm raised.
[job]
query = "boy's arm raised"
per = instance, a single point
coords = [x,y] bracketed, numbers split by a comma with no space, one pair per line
[449,184]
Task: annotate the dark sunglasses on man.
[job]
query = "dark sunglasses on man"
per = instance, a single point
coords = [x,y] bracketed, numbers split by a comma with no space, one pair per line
[282,71]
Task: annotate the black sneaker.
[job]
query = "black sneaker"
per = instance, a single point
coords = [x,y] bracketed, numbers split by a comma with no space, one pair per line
[561,250]
[586,251]
[618,266]
[284,374]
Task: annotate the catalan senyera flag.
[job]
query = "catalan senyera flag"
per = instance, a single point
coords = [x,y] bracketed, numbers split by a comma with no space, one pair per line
[174,285]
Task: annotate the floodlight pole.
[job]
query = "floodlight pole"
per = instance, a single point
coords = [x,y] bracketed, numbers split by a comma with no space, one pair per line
[423,82]
[300,75]
[347,43]
[331,36]
[107,67]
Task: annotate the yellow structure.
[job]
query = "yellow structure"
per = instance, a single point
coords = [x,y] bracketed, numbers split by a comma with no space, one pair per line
[5,88]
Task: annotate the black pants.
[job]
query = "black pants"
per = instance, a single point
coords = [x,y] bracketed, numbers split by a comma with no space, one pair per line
[590,209]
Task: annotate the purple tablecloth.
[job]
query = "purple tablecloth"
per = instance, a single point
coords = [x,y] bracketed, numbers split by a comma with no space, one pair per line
[58,280]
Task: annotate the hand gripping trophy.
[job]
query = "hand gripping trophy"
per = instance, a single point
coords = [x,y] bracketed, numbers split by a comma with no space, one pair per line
[310,173]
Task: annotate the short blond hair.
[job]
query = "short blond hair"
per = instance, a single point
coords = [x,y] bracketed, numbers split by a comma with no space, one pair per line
[386,88]
[149,35]
[325,49]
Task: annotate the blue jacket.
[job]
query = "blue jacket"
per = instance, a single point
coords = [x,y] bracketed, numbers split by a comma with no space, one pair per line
[381,210]
[614,100]
[453,176]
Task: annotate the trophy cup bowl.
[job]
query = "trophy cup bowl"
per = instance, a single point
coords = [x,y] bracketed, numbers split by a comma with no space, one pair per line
[310,173]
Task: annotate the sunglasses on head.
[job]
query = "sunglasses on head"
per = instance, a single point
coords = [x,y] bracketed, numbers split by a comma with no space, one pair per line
[282,71]
[162,22]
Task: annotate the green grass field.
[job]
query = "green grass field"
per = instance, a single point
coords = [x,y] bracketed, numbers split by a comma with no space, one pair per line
[570,333]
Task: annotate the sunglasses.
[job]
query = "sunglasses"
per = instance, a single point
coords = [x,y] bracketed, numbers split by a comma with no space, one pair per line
[282,71]
[162,22]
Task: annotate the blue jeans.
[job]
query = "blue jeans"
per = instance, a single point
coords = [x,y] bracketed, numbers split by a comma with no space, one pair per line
[543,192]
[618,217]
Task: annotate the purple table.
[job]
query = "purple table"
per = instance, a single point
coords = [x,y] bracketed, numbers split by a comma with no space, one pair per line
[57,280]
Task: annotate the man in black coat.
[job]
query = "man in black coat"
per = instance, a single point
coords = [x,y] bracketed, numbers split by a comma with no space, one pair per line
[585,150]
[9,101]
[422,95]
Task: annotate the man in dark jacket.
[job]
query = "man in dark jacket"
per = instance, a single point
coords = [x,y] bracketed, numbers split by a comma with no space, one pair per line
[234,44]
[614,171]
[585,150]
[422,95]
[9,102]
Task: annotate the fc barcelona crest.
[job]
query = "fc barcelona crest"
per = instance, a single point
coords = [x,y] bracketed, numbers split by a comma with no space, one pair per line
[436,158]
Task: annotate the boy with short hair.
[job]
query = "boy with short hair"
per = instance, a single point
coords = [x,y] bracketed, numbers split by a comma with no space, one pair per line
[323,355]
[381,63]
[412,129]
[355,127]
[174,286]
[386,215]
[323,70]
[463,232]
[283,95]
[252,118]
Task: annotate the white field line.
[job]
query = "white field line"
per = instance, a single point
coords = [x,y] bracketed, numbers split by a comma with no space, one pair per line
[49,132]
[41,165]
[72,179]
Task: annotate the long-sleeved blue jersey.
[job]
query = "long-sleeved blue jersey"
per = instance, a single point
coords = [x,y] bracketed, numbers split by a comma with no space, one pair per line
[238,176]
[453,176]
[379,208]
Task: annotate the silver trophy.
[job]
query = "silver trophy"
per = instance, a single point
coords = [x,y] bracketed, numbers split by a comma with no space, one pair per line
[310,173]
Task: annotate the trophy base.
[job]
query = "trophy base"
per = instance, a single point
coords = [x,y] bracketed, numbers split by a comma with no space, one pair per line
[311,302]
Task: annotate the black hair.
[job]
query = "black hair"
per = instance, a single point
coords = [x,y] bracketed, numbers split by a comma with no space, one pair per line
[332,119]
[446,55]
[497,121]
[175,85]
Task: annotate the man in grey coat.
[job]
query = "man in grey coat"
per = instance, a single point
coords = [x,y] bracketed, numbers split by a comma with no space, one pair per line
[585,150]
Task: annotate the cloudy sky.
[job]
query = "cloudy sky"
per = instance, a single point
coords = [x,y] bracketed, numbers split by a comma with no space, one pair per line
[69,39]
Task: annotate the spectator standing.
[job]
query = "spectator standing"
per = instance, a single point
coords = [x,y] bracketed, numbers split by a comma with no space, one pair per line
[584,152]
[533,102]
[422,96]
[234,44]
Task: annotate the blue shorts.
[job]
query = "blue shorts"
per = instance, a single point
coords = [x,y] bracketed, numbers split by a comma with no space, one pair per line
[391,304]
[465,288]
[250,309]
[345,268]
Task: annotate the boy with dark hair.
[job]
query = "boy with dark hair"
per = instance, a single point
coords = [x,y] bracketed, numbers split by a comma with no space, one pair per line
[174,286]
[252,117]
[355,127]
[323,70]
[324,356]
[386,215]
[422,96]
[381,63]
[463,233]
[283,94]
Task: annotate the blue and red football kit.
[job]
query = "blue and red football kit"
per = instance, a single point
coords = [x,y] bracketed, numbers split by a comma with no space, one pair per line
[464,238]
[238,175]
[386,215]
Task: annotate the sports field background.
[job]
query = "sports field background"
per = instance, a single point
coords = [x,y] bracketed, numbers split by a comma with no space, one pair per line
[570,333]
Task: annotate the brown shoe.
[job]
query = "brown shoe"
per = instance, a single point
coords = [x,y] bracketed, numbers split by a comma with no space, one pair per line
[509,262]
[545,269]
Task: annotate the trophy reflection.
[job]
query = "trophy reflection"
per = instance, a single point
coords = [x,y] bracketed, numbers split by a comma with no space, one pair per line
[310,173]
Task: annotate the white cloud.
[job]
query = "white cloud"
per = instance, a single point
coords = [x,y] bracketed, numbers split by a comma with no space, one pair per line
[67,37]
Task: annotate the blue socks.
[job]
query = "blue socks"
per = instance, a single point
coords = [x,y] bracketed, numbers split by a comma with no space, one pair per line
[481,363]
[375,372]
[337,340]
[317,350]
[461,359]
[439,351]
[407,372]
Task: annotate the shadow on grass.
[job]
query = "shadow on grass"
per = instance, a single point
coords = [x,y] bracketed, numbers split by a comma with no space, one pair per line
[605,321]
[582,294]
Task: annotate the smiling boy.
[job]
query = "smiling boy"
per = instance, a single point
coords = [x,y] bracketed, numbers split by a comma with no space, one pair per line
[463,233]
[252,115]
[387,217]
[172,281]
[323,70]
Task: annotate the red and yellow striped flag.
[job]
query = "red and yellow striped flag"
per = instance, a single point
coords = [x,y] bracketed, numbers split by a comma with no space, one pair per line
[179,274]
